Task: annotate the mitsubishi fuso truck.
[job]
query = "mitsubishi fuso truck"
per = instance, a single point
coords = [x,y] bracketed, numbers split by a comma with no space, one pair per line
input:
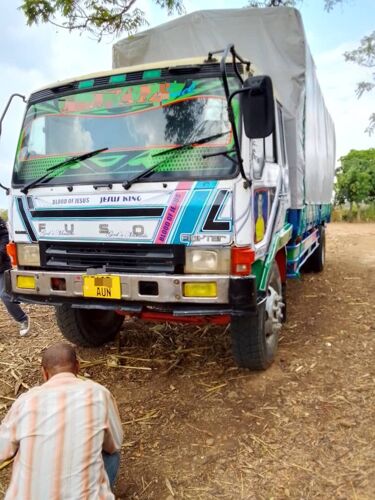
[185,184]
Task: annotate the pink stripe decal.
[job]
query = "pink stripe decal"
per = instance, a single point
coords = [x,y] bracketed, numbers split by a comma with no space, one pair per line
[172,211]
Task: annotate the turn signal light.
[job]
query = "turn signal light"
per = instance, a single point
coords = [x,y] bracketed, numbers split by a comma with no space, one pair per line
[12,252]
[242,258]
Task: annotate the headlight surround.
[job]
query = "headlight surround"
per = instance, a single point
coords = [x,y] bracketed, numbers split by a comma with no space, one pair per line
[207,260]
[28,254]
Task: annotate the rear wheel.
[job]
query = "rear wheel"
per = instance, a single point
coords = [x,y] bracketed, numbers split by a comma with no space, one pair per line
[255,338]
[88,327]
[317,259]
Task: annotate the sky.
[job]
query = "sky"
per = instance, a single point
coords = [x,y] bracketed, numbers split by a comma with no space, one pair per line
[31,57]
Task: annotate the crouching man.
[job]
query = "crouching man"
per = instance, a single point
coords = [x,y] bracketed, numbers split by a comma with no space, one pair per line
[65,435]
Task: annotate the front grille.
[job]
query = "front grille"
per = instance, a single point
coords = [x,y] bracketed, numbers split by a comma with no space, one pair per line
[116,258]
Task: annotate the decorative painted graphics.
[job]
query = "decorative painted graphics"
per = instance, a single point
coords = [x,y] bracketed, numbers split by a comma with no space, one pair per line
[261,213]
[153,94]
[99,200]
[192,214]
[139,231]
[134,123]
[172,211]
[213,222]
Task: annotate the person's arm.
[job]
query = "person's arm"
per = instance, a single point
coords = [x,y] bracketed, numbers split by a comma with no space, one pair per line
[8,440]
[113,434]
[4,239]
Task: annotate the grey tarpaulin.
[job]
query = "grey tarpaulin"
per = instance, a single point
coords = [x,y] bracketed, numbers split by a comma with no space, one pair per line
[274,40]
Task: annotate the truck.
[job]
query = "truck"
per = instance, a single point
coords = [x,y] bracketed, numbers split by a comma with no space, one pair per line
[186,184]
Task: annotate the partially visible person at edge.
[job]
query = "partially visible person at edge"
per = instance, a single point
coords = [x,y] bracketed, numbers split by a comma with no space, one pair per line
[65,435]
[13,308]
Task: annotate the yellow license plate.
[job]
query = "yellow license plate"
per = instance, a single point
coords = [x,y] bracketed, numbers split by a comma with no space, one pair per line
[102,286]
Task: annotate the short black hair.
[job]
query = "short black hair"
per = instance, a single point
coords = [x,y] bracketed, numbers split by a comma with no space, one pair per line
[58,356]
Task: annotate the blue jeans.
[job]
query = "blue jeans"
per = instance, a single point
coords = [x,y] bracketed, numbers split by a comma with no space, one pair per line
[111,465]
[13,308]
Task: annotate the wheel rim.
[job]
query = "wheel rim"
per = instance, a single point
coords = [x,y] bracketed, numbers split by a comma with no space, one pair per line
[274,310]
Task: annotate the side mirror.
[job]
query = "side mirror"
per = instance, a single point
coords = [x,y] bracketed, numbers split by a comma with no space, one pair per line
[258,107]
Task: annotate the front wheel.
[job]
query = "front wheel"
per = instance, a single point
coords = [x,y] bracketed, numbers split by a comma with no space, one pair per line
[255,338]
[88,327]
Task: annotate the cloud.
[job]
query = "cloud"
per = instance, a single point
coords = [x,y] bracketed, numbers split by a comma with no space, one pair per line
[21,45]
[338,80]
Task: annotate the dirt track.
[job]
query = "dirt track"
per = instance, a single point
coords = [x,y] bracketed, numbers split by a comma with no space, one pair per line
[196,427]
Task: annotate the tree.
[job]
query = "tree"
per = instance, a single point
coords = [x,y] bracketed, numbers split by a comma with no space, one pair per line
[274,3]
[364,55]
[328,4]
[356,178]
[98,17]
[4,214]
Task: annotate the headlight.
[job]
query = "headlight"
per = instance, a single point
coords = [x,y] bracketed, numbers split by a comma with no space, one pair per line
[28,254]
[211,261]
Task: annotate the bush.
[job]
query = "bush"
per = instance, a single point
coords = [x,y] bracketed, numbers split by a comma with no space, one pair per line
[342,214]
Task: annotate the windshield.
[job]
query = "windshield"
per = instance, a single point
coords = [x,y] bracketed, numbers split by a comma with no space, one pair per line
[134,123]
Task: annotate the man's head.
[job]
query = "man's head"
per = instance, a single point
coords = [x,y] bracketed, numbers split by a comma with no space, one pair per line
[59,358]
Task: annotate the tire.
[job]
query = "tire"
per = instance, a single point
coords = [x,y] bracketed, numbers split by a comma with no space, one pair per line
[317,259]
[283,308]
[255,338]
[88,327]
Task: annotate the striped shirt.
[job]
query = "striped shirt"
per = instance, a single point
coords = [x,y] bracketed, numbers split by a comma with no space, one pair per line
[58,431]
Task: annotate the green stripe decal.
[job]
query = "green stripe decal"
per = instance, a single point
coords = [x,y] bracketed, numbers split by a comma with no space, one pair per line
[257,271]
[86,84]
[151,74]
[279,240]
[117,79]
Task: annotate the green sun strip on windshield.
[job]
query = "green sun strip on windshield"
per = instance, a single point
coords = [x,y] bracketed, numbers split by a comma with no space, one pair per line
[125,99]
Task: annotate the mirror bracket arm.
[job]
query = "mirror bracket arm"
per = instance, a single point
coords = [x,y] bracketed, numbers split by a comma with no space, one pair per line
[7,106]
[223,69]
[235,135]
[6,189]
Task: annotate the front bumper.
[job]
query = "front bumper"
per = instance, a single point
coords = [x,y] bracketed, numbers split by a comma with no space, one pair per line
[235,295]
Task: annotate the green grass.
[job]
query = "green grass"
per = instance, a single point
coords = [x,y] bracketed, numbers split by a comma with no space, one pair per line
[366,214]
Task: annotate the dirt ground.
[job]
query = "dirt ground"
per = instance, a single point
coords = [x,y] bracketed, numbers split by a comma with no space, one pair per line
[196,427]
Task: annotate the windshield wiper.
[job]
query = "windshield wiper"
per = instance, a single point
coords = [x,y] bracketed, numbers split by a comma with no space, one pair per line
[149,171]
[186,145]
[146,173]
[43,179]
[222,153]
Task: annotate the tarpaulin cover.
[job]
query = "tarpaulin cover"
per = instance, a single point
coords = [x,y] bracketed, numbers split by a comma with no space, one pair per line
[274,40]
